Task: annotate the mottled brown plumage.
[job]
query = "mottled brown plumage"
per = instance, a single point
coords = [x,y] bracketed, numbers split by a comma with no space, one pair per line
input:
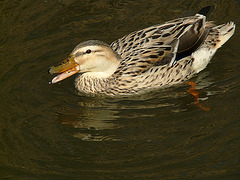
[158,56]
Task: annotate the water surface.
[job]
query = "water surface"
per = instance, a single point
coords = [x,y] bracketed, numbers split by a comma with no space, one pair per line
[51,132]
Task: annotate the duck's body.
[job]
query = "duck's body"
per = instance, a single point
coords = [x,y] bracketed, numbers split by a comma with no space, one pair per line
[158,56]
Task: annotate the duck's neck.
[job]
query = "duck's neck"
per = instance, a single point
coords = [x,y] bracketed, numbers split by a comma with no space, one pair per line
[93,83]
[98,81]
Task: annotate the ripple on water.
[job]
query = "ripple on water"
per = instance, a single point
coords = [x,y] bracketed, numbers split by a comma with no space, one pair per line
[49,131]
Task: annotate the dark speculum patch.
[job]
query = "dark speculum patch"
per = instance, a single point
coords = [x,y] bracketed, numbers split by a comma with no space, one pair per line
[199,26]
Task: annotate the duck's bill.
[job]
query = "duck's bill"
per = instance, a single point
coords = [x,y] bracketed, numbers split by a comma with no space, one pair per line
[66,69]
[65,74]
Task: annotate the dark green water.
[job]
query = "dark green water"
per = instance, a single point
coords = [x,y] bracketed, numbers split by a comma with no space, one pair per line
[50,132]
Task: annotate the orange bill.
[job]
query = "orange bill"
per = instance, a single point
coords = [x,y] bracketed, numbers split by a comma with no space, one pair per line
[66,69]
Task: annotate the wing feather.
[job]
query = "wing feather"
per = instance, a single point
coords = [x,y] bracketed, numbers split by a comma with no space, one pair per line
[159,45]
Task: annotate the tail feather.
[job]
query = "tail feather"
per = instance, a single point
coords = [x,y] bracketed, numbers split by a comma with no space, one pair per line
[204,10]
[216,37]
[223,32]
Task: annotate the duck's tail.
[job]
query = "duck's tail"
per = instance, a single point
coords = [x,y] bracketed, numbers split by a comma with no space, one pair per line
[216,37]
[220,34]
[204,10]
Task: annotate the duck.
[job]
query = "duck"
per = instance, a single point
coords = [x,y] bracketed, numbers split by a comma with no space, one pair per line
[155,57]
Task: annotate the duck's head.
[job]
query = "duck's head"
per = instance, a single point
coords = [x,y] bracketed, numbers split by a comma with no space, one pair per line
[93,57]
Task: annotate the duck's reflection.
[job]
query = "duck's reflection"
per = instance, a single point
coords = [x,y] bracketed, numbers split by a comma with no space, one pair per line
[93,119]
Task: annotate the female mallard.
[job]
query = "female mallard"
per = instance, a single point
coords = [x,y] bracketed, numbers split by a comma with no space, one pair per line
[158,56]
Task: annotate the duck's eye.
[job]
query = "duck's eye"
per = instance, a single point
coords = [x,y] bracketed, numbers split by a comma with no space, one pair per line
[88,51]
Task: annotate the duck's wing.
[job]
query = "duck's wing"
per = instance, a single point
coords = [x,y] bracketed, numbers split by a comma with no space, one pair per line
[160,44]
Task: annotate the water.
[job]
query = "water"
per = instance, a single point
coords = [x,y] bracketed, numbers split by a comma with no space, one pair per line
[50,132]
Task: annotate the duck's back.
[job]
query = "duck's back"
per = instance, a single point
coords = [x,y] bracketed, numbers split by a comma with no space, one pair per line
[160,56]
